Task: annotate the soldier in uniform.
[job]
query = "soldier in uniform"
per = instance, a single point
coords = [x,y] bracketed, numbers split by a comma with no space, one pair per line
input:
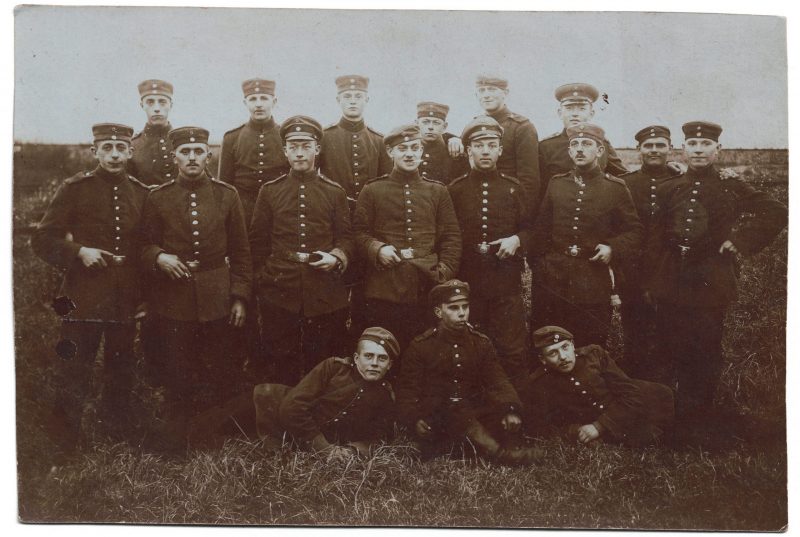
[101,209]
[586,226]
[407,231]
[301,243]
[152,162]
[638,318]
[495,227]
[443,157]
[252,153]
[576,106]
[198,258]
[581,395]
[453,389]
[520,158]
[692,267]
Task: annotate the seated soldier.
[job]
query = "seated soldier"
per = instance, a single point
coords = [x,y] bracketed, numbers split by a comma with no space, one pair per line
[341,406]
[582,395]
[452,388]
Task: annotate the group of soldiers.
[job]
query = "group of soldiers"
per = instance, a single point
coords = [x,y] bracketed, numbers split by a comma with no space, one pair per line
[310,242]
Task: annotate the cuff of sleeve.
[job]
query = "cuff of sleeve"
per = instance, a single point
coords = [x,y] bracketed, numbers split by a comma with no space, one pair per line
[339,254]
[149,257]
[372,251]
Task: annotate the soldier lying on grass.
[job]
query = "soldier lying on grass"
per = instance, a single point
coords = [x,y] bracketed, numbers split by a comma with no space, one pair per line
[582,395]
[341,407]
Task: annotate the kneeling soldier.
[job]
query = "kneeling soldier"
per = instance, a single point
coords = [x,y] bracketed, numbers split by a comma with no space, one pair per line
[452,387]
[582,394]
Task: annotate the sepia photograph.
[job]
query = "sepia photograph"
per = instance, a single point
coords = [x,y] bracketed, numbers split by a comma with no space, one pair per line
[400,268]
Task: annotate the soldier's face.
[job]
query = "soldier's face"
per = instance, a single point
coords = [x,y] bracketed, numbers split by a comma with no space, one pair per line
[573,113]
[654,151]
[353,103]
[372,360]
[584,152]
[301,154]
[260,106]
[112,155]
[157,108]
[431,128]
[407,156]
[453,315]
[491,98]
[191,159]
[700,152]
[484,153]
[559,356]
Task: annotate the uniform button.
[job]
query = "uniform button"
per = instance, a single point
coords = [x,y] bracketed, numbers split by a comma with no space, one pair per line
[260,163]
[577,383]
[485,209]
[260,155]
[484,217]
[408,220]
[583,392]
[194,204]
[195,222]
[697,183]
[406,186]
[161,141]
[117,228]
[302,234]
[579,200]
[576,218]
[485,201]
[154,160]
[425,173]
[408,192]
[691,210]
[485,192]
[410,239]
[194,213]
[117,237]
[408,201]
[302,246]
[574,227]
[458,365]
[260,135]
[302,216]
[116,197]
[260,145]
[577,208]
[692,200]
[195,233]
[424,163]
[302,224]
[580,192]
[456,355]
[653,187]
[355,164]
[116,188]
[302,205]
[455,345]
[165,156]
[688,219]
[653,204]
[485,185]
[484,226]
[116,218]
[197,253]
[409,211]
[193,195]
[600,407]
[694,191]
[164,147]
[302,196]
[356,174]
[302,187]
[116,208]
[407,229]
[196,243]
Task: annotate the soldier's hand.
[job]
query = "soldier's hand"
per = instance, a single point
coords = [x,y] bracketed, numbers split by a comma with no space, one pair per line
[387,256]
[455,147]
[170,265]
[728,246]
[341,453]
[587,433]
[511,422]
[93,257]
[677,167]
[422,428]
[327,263]
[603,253]
[508,246]
[238,314]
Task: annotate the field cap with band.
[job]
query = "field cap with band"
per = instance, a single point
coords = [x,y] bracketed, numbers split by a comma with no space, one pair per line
[431,109]
[481,127]
[496,81]
[301,128]
[188,135]
[258,86]
[550,335]
[702,129]
[653,131]
[351,82]
[449,291]
[577,92]
[384,338]
[112,131]
[587,130]
[406,133]
[155,87]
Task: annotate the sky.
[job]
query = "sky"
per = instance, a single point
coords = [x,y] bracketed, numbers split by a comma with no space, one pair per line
[76,66]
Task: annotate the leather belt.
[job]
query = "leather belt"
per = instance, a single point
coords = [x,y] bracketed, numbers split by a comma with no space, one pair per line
[302,257]
[486,248]
[195,265]
[118,260]
[407,253]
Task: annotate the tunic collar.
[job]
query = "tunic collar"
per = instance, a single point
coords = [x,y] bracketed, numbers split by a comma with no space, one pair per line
[702,173]
[450,335]
[352,126]
[656,171]
[159,131]
[589,175]
[480,175]
[303,177]
[261,126]
[503,113]
[193,184]
[111,178]
[402,176]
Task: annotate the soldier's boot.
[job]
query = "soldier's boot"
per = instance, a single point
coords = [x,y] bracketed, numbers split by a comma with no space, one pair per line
[488,446]
[211,428]
[267,400]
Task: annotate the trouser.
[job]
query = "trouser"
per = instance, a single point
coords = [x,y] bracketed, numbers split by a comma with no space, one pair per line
[344,340]
[640,341]
[502,318]
[74,409]
[294,344]
[452,426]
[692,341]
[589,323]
[404,321]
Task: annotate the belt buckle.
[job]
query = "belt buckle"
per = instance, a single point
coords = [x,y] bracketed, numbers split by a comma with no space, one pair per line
[456,399]
[407,253]
[684,250]
[574,250]
[118,259]
[483,248]
[193,265]
[303,257]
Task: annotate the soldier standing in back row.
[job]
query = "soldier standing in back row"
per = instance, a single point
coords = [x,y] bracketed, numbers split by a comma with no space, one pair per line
[438,146]
[692,267]
[102,210]
[152,162]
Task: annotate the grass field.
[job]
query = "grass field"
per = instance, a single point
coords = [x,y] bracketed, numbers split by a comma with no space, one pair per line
[740,486]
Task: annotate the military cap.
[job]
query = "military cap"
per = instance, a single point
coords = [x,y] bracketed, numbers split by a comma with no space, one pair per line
[384,338]
[702,129]
[577,92]
[587,130]
[550,335]
[486,80]
[155,87]
[449,291]
[481,127]
[258,85]
[430,109]
[351,82]
[188,135]
[112,131]
[301,128]
[406,133]
[653,131]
